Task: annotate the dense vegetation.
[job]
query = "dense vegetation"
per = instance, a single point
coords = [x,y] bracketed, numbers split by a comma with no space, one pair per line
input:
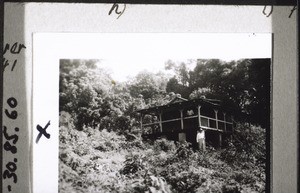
[101,149]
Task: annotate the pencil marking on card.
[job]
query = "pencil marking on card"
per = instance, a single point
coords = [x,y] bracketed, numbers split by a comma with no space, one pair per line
[292,11]
[42,132]
[13,49]
[267,14]
[11,138]
[115,8]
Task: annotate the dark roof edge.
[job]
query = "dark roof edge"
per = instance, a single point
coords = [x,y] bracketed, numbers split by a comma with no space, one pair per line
[200,100]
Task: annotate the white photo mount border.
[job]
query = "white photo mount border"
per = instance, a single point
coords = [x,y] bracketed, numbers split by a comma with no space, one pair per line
[49,48]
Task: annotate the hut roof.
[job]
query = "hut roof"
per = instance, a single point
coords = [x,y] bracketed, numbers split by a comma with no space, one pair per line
[179,102]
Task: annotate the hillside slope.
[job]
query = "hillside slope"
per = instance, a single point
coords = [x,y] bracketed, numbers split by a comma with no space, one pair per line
[100,161]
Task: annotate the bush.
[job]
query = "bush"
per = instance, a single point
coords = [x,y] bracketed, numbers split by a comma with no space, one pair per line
[183,151]
[103,161]
[134,162]
[164,145]
[185,181]
[232,188]
[65,119]
[248,145]
[243,177]
[106,146]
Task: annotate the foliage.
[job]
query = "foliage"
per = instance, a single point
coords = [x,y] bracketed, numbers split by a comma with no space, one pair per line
[101,148]
[148,85]
[243,85]
[94,99]
[164,145]
[90,95]
[133,164]
[126,164]
[248,145]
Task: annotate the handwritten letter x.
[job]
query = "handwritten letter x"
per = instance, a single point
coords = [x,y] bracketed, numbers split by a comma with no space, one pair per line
[42,132]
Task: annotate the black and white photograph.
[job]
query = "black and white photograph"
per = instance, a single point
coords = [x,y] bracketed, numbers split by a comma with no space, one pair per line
[188,115]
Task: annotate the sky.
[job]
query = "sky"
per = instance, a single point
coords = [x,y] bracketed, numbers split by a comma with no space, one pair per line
[126,54]
[151,51]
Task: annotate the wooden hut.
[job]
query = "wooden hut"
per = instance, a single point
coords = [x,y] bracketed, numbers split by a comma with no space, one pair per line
[180,119]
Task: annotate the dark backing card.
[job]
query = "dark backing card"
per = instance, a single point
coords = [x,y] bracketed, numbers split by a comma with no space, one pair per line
[30,82]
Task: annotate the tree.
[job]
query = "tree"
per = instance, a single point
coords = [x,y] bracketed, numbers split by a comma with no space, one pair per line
[83,87]
[173,85]
[181,82]
[94,100]
[242,85]
[260,101]
[149,85]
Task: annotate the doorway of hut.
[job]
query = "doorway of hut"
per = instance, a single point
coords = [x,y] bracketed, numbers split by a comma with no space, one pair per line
[191,135]
[212,138]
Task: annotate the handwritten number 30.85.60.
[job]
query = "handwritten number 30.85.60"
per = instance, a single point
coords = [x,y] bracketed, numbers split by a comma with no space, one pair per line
[11,166]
